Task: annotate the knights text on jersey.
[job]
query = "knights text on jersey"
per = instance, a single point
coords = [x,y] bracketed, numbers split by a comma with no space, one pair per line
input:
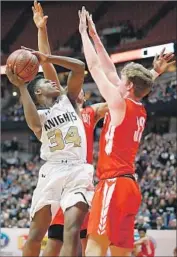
[88,118]
[63,134]
[119,145]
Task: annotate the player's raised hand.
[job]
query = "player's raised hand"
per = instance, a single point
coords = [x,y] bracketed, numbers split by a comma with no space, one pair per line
[91,25]
[13,78]
[162,62]
[83,20]
[42,58]
[38,16]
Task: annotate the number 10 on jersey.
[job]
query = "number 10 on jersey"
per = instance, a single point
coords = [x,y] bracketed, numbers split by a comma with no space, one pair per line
[139,131]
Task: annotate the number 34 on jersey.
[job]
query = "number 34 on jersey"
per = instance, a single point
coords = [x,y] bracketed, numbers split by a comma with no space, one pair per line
[58,141]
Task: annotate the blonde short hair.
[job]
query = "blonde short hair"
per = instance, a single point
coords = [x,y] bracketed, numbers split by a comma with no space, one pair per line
[141,78]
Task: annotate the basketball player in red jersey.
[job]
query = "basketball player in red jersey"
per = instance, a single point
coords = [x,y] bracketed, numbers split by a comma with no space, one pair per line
[90,116]
[117,197]
[146,243]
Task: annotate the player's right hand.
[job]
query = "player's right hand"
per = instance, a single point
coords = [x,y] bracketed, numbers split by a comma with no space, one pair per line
[38,16]
[83,21]
[91,25]
[42,58]
[13,77]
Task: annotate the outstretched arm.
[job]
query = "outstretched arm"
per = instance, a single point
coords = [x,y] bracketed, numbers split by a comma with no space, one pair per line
[43,43]
[106,62]
[110,93]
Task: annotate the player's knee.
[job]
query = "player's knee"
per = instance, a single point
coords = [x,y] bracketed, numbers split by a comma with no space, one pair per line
[52,248]
[73,230]
[50,251]
[74,217]
[36,235]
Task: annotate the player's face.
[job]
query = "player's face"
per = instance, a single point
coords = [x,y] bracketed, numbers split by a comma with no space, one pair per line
[141,234]
[48,88]
[81,97]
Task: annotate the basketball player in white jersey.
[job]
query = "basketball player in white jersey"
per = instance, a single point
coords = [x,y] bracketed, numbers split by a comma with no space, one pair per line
[55,240]
[65,179]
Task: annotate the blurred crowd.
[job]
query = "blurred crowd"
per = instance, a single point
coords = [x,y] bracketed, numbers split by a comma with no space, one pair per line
[17,185]
[14,113]
[163,92]
[156,165]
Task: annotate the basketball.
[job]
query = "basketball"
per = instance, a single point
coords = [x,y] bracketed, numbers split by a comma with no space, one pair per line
[27,64]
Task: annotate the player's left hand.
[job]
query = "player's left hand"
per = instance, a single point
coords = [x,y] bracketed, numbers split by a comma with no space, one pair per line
[161,62]
[42,58]
[91,25]
[83,21]
[38,16]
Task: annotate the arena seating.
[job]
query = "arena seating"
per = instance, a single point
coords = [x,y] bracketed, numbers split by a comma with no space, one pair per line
[138,14]
[60,25]
[61,29]
[9,14]
[165,28]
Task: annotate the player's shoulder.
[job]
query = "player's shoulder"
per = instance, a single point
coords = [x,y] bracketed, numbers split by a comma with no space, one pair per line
[43,111]
[132,102]
[135,106]
[62,97]
[64,100]
[43,114]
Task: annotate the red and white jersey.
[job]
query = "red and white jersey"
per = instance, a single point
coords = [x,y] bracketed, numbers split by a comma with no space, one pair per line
[147,249]
[88,118]
[119,144]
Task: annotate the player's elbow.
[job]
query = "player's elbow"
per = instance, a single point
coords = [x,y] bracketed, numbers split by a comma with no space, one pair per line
[81,66]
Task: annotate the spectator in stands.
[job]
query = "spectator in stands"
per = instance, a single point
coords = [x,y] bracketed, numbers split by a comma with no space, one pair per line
[142,222]
[172,224]
[159,224]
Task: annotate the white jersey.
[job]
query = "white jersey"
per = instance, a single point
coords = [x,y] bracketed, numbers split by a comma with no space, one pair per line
[63,134]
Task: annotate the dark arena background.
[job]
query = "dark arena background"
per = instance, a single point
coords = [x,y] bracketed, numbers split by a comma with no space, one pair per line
[130,31]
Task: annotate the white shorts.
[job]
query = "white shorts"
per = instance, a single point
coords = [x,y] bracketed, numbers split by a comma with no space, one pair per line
[63,185]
